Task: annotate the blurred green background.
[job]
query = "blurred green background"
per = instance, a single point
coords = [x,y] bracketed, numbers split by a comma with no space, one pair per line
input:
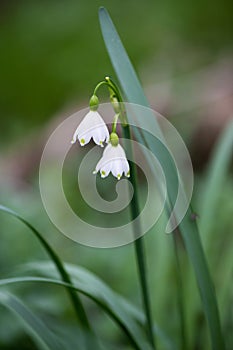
[51,56]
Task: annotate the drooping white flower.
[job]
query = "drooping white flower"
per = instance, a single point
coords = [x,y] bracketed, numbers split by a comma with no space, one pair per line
[113,160]
[92,126]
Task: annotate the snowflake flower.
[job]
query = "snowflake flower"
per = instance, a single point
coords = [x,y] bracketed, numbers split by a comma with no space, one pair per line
[113,160]
[92,126]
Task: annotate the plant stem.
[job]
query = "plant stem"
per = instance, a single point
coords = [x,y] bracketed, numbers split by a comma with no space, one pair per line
[99,85]
[139,244]
[114,124]
[115,95]
[180,294]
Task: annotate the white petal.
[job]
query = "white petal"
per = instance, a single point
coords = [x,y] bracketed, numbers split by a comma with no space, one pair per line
[92,126]
[85,124]
[100,131]
[98,166]
[117,169]
[107,149]
[100,135]
[105,170]
[119,151]
[125,167]
[84,137]
[96,118]
[114,160]
[103,161]
[75,136]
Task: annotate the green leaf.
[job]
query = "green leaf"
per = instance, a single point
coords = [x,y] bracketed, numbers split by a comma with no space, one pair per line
[34,326]
[78,307]
[213,239]
[127,324]
[215,177]
[133,91]
[127,316]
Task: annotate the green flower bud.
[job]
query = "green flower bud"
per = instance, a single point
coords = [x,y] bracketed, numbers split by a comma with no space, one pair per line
[94,103]
[114,139]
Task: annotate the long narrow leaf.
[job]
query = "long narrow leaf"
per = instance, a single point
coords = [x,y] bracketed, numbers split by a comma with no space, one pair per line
[215,176]
[33,324]
[92,286]
[133,91]
[80,312]
[121,312]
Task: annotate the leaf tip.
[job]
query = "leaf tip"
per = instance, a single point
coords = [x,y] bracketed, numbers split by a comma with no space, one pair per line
[102,9]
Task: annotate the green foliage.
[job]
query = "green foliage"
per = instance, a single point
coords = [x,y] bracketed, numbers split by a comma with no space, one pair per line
[46,45]
[33,324]
[188,228]
[59,265]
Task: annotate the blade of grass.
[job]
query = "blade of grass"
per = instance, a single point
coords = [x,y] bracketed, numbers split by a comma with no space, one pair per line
[216,173]
[93,286]
[33,324]
[119,311]
[188,227]
[78,307]
[135,211]
[139,244]
[216,231]
[180,295]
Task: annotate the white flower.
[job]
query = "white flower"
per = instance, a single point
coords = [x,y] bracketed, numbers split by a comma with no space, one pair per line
[92,126]
[113,160]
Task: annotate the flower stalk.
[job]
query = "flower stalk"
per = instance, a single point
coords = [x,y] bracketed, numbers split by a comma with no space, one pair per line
[135,211]
[114,161]
[139,246]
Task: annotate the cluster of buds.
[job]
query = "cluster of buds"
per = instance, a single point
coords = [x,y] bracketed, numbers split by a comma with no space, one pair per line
[93,126]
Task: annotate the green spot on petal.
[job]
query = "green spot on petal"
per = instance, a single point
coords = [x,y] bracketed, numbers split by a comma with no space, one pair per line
[103,172]
[118,176]
[82,141]
[128,174]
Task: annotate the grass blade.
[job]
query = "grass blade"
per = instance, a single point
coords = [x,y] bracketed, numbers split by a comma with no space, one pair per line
[216,173]
[180,294]
[33,324]
[133,91]
[92,286]
[78,307]
[123,313]
[139,244]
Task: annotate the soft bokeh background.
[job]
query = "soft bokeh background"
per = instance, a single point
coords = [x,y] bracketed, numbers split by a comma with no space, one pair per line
[51,56]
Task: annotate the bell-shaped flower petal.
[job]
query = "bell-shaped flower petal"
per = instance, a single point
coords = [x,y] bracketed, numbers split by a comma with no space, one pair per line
[92,126]
[113,160]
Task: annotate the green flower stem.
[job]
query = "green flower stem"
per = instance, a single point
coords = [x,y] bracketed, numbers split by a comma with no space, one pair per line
[135,210]
[99,85]
[139,244]
[118,106]
[117,101]
[114,124]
